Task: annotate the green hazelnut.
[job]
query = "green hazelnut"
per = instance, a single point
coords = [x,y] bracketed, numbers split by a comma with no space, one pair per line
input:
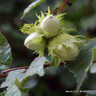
[64,47]
[36,42]
[50,26]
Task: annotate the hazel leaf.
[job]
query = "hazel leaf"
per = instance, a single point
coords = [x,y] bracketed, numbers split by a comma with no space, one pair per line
[81,65]
[16,79]
[31,6]
[5,51]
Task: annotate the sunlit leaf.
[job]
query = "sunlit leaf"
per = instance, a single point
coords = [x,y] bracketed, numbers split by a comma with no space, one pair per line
[31,6]
[5,51]
[16,79]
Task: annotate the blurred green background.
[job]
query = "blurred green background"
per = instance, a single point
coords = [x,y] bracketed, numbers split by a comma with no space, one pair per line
[81,15]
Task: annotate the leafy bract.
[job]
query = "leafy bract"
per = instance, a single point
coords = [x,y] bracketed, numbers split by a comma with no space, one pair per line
[81,65]
[16,79]
[5,51]
[31,6]
[28,28]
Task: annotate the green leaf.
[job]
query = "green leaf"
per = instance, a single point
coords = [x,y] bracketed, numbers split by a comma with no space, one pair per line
[12,89]
[5,51]
[36,67]
[24,91]
[30,82]
[31,6]
[16,79]
[2,94]
[93,68]
[3,67]
[15,91]
[19,74]
[91,93]
[81,65]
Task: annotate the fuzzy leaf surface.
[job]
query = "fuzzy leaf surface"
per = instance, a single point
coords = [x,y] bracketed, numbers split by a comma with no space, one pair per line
[31,6]
[16,79]
[5,51]
[81,65]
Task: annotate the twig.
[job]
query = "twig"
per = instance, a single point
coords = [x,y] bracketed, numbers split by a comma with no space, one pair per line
[5,72]
[13,69]
[3,76]
[94,61]
[62,6]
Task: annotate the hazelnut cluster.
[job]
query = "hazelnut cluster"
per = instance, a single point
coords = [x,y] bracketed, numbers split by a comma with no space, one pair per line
[48,33]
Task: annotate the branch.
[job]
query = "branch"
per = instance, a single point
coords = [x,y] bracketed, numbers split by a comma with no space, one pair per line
[94,61]
[5,72]
[9,70]
[62,6]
